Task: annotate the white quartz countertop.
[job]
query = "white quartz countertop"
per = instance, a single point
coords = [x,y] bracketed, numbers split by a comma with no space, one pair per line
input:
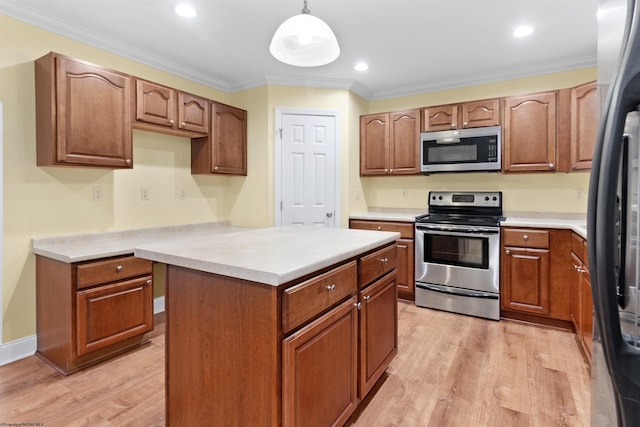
[267,255]
[85,247]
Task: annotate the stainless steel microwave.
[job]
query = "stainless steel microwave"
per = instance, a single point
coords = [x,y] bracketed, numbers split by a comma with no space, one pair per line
[464,150]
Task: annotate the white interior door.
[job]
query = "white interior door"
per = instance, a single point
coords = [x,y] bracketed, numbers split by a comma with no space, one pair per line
[307,177]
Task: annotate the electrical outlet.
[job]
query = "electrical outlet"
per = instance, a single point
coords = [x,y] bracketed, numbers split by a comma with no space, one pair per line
[144,194]
[405,193]
[97,193]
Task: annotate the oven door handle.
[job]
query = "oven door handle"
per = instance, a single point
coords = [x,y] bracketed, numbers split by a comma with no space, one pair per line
[457,291]
[458,229]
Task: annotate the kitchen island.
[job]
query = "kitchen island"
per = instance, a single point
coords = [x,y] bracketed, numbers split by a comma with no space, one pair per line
[278,326]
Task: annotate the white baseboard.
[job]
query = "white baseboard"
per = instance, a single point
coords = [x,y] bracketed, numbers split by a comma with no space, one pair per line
[25,347]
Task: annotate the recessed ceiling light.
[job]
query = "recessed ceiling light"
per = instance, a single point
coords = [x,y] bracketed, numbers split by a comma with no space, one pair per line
[185,10]
[522,31]
[361,66]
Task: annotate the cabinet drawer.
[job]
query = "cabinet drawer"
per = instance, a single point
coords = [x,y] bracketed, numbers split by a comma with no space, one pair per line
[579,247]
[372,266]
[526,238]
[304,301]
[112,313]
[96,273]
[405,229]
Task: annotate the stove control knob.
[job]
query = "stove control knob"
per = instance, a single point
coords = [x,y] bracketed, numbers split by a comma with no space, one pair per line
[486,198]
[495,198]
[439,197]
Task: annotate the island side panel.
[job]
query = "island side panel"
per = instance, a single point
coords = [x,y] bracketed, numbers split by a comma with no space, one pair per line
[223,353]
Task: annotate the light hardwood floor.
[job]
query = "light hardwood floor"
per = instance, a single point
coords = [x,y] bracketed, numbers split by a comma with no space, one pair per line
[451,370]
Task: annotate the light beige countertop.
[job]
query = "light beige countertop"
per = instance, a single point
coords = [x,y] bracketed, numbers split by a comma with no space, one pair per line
[384,214]
[267,255]
[579,225]
[84,247]
[575,222]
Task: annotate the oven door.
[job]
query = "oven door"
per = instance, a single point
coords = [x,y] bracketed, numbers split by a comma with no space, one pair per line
[458,256]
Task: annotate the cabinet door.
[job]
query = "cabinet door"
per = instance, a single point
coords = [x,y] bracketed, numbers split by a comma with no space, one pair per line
[93,115]
[586,332]
[193,113]
[440,117]
[406,270]
[575,292]
[525,280]
[112,313]
[155,104]
[529,131]
[378,330]
[404,144]
[374,144]
[584,123]
[319,372]
[480,113]
[229,139]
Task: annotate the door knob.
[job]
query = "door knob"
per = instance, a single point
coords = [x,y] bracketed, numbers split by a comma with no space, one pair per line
[329,214]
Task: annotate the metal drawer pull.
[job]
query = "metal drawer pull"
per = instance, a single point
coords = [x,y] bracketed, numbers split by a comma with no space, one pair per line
[367,298]
[384,259]
[379,227]
[119,268]
[149,282]
[331,287]
[525,237]
[357,305]
[507,252]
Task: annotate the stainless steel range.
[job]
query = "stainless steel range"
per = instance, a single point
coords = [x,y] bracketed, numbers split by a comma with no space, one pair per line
[458,253]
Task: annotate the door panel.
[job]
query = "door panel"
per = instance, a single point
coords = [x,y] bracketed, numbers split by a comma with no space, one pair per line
[308,170]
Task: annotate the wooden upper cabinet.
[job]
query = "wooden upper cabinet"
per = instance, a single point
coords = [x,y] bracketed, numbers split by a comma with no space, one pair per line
[404,144]
[472,114]
[584,125]
[83,114]
[374,144]
[529,132]
[482,113]
[166,110]
[389,143]
[440,117]
[224,151]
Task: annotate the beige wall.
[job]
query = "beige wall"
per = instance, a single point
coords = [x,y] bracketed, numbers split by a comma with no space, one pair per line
[57,201]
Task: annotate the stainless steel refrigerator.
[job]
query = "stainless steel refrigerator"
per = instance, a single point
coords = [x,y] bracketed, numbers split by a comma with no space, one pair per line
[613,217]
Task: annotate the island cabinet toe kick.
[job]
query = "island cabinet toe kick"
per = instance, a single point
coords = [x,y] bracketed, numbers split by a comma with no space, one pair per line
[307,352]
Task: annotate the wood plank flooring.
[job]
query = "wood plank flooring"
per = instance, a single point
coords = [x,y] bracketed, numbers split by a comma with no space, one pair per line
[451,370]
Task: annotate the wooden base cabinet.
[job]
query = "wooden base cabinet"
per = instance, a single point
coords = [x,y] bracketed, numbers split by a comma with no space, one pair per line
[300,354]
[581,296]
[320,370]
[534,276]
[406,251]
[89,311]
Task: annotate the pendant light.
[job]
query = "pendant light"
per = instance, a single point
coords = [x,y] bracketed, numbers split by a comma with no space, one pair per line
[304,41]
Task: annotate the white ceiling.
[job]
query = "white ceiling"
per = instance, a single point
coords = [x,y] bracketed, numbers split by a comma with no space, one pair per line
[412,46]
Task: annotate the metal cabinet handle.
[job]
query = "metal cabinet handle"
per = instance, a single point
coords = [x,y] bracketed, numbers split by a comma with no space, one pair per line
[551,165]
[357,305]
[367,298]
[384,259]
[525,237]
[390,170]
[379,227]
[149,282]
[215,168]
[119,268]
[183,123]
[171,121]
[331,287]
[128,161]
[465,124]
[507,252]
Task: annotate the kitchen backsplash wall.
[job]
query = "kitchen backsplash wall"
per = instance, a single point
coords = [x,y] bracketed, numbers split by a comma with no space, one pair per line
[545,192]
